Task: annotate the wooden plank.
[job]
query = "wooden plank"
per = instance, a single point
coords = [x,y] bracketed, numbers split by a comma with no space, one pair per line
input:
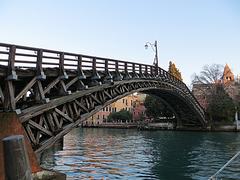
[56,120]
[40,90]
[77,112]
[117,90]
[112,93]
[45,131]
[39,62]
[87,102]
[91,102]
[51,85]
[65,116]
[11,60]
[61,63]
[9,100]
[45,122]
[25,89]
[1,94]
[81,106]
[61,122]
[63,87]
[50,122]
[64,109]
[30,134]
[125,87]
[101,96]
[70,83]
[105,92]
[70,110]
[38,133]
[94,97]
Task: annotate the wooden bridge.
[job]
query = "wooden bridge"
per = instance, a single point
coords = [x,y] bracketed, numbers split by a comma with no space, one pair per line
[53,91]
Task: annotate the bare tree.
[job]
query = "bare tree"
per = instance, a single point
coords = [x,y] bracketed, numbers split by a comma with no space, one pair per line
[203,84]
[210,74]
[209,89]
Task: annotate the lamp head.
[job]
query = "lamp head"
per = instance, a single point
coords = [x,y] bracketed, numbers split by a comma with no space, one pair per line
[146,46]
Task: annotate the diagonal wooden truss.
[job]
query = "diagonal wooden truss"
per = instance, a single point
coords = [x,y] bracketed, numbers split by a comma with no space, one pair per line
[46,123]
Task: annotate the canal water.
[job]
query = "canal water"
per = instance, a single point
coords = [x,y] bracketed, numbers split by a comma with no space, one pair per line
[131,154]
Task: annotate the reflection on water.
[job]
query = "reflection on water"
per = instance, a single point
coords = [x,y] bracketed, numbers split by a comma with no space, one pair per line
[132,154]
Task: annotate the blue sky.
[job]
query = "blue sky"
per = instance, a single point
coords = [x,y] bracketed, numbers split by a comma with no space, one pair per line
[191,33]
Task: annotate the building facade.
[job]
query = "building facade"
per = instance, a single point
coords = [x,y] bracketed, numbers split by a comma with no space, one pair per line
[133,103]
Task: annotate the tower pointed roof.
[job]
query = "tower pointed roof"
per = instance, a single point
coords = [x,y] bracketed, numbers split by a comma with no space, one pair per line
[227,70]
[227,74]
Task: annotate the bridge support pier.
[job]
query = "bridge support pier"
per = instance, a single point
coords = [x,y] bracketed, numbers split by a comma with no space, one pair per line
[10,125]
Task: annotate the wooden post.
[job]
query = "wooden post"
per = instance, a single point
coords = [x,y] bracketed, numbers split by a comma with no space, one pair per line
[126,74]
[118,76]
[95,75]
[156,71]
[108,76]
[40,73]
[81,75]
[63,74]
[151,71]
[135,75]
[9,100]
[11,64]
[16,158]
[39,94]
[140,71]
[95,79]
[146,72]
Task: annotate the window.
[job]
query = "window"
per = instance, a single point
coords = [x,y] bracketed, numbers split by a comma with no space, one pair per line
[126,102]
[98,116]
[103,109]
[110,109]
[123,100]
[106,108]
[103,116]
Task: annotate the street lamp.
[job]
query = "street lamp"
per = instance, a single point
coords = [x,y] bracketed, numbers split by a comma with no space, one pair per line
[154,48]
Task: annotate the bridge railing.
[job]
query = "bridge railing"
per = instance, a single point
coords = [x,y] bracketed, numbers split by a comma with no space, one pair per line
[23,57]
[15,56]
[30,57]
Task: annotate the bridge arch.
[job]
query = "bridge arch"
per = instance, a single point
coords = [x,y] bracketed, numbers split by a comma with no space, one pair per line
[46,123]
[60,99]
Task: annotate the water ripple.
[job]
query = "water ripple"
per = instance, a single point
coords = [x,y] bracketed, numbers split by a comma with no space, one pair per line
[131,154]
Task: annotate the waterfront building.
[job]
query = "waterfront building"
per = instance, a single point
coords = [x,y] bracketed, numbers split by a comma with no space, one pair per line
[139,108]
[133,103]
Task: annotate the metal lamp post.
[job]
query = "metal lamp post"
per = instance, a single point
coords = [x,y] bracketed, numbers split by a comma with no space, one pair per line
[154,48]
